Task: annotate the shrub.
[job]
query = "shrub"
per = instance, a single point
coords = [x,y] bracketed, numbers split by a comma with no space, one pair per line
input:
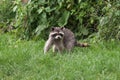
[109,27]
[6,13]
[35,18]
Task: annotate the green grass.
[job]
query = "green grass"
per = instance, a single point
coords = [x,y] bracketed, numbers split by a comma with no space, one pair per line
[24,60]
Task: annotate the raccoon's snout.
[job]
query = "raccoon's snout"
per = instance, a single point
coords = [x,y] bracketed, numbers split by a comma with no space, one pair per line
[58,37]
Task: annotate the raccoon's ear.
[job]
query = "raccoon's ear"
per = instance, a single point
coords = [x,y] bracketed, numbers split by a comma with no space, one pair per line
[62,28]
[52,29]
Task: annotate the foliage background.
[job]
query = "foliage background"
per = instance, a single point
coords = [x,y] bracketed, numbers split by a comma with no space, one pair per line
[96,19]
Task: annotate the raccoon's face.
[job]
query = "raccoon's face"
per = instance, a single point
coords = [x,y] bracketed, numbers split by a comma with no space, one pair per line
[57,33]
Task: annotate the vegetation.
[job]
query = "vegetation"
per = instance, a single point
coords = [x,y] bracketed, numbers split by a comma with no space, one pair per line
[24,27]
[94,19]
[109,26]
[25,60]
[6,13]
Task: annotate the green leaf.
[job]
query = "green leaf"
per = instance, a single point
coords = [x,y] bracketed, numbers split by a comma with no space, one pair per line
[42,24]
[40,28]
[14,9]
[63,20]
[91,20]
[48,9]
[79,1]
[84,31]
[40,10]
[43,18]
[41,1]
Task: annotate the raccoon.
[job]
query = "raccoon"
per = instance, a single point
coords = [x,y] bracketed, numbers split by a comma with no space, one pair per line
[61,39]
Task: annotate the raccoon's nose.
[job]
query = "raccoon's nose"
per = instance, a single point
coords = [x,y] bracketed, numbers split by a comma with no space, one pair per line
[58,37]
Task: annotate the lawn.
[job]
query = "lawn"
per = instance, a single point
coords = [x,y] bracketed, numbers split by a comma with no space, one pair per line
[24,60]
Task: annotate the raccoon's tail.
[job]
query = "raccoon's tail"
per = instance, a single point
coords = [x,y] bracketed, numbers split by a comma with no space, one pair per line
[81,44]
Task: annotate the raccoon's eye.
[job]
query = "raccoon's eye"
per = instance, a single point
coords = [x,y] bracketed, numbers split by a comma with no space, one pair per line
[54,35]
[61,35]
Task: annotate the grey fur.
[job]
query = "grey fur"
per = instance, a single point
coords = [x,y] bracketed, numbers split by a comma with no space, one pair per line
[65,40]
